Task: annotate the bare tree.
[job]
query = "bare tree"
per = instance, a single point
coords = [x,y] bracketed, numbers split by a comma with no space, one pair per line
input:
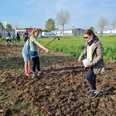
[63,17]
[102,23]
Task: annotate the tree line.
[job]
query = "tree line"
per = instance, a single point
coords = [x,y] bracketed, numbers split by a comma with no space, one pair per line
[62,18]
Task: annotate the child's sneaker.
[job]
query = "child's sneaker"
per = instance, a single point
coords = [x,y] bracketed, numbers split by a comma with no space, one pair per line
[33,75]
[30,71]
[93,93]
[97,93]
[38,73]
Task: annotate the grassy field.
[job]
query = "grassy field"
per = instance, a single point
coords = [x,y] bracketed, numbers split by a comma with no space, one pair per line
[74,45]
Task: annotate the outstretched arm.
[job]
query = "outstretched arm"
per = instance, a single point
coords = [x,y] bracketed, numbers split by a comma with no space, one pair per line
[41,46]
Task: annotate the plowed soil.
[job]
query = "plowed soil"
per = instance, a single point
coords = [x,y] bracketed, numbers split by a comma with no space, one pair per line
[60,90]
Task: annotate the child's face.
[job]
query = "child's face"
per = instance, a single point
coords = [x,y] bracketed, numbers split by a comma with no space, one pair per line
[36,34]
[87,37]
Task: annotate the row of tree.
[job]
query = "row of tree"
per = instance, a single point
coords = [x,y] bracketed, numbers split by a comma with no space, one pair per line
[63,17]
[103,24]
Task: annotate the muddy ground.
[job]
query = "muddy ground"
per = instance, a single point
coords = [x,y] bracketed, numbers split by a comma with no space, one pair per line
[59,91]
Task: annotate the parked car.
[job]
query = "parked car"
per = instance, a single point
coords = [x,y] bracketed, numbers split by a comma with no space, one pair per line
[48,34]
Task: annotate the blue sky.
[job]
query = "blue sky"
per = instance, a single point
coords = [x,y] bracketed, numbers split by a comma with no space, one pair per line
[83,13]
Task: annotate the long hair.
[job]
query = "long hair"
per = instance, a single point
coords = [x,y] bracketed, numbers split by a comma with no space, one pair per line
[91,33]
[34,31]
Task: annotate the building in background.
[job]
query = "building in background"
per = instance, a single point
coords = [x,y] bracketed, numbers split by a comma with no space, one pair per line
[67,32]
[108,32]
[21,31]
[78,31]
[29,30]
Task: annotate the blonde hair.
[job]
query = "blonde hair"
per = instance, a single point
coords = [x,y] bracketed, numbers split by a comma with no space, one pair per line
[34,31]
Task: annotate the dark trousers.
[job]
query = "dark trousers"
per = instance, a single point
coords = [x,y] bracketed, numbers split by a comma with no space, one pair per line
[35,64]
[91,78]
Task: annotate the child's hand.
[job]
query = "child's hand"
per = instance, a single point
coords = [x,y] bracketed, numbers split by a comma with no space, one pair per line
[46,50]
[88,66]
